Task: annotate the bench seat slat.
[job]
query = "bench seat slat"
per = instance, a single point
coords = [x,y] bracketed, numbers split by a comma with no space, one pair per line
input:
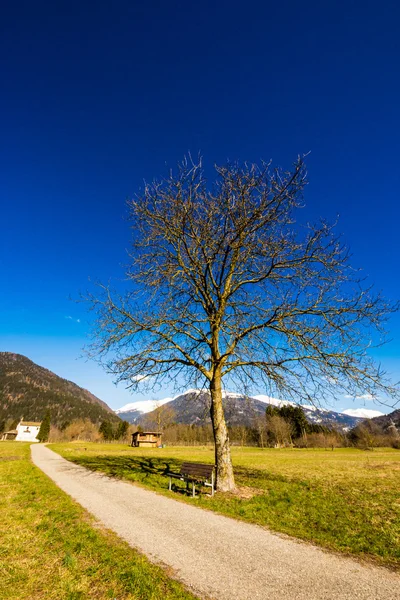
[196,468]
[195,472]
[200,471]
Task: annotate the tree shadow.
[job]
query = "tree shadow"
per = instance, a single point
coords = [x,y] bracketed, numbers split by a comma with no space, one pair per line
[129,467]
[153,471]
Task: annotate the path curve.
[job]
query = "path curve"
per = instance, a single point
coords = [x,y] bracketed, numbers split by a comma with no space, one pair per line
[216,556]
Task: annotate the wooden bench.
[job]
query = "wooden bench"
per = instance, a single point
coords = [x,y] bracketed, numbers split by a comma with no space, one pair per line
[195,473]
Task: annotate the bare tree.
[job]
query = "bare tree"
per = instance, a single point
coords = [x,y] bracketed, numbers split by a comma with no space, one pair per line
[280,430]
[160,418]
[260,427]
[223,286]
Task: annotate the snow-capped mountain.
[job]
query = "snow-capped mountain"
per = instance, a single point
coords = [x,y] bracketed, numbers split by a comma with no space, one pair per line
[362,413]
[192,407]
[132,411]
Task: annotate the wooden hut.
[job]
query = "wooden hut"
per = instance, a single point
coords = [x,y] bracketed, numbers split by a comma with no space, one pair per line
[9,435]
[146,439]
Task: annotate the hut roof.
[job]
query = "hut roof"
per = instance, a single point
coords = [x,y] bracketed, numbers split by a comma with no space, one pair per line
[147,433]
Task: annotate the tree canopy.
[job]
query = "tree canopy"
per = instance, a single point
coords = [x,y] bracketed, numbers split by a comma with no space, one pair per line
[44,430]
[223,285]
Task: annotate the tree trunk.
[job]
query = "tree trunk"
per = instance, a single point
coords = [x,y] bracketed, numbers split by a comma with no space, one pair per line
[225,477]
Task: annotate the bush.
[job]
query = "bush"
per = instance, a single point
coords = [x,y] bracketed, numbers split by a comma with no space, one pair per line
[81,429]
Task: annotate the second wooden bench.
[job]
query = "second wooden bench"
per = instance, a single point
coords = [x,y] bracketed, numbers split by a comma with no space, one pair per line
[195,473]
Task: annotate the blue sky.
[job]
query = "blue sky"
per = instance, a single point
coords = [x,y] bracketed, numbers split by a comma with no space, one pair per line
[97,97]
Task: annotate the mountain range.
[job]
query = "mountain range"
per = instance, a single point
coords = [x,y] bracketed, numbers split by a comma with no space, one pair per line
[28,390]
[192,408]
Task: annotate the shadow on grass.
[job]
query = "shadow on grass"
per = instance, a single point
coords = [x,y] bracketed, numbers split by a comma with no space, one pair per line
[153,471]
[149,470]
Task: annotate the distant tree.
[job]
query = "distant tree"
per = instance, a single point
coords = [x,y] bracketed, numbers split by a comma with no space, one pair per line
[56,435]
[296,417]
[321,440]
[318,428]
[260,430]
[44,430]
[2,425]
[224,287]
[271,410]
[106,430]
[367,435]
[242,433]
[122,430]
[279,430]
[81,429]
[296,420]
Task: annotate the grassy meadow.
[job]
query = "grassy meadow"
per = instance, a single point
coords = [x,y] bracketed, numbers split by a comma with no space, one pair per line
[52,549]
[347,500]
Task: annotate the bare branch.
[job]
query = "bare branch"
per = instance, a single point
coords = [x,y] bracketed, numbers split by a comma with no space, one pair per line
[222,283]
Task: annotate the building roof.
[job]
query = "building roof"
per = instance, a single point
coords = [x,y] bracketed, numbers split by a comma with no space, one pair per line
[11,431]
[30,423]
[147,433]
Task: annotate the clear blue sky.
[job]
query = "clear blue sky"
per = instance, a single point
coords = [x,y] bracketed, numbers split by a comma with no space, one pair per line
[97,96]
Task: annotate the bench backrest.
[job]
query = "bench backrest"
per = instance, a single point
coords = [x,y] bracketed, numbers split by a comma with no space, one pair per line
[197,470]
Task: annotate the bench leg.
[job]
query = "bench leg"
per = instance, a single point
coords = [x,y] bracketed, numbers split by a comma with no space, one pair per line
[193,490]
[170,484]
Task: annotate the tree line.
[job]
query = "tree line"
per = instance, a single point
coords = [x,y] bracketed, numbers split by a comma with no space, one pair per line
[285,426]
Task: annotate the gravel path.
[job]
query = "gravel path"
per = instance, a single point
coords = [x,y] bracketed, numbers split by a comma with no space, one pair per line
[215,556]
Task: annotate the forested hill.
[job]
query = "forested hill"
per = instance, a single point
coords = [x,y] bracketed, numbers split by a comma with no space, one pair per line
[28,390]
[386,420]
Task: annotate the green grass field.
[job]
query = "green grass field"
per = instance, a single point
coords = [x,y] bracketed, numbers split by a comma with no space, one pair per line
[52,549]
[347,500]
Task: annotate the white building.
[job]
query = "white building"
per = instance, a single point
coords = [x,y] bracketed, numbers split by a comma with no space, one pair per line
[27,431]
